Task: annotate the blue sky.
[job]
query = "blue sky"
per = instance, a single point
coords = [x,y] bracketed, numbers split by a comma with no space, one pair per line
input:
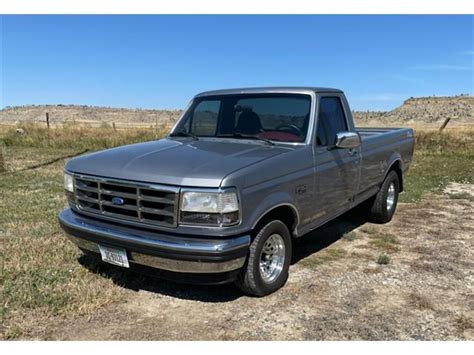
[162,61]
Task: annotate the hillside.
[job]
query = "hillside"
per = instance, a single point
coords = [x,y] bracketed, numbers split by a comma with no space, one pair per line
[86,114]
[413,110]
[426,110]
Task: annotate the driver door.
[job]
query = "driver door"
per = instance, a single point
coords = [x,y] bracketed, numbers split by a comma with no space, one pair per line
[336,169]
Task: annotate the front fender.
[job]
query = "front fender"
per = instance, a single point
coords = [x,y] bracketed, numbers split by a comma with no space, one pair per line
[270,202]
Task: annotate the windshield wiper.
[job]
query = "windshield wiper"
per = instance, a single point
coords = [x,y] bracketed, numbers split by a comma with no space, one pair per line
[246,136]
[183,134]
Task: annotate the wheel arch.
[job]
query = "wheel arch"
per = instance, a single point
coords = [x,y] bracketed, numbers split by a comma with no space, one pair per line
[395,165]
[286,212]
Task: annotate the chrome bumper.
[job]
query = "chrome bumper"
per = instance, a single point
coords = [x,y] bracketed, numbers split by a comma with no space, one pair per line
[169,252]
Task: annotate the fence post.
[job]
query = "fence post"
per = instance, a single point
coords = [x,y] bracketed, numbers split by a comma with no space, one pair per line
[3,166]
[47,124]
[445,123]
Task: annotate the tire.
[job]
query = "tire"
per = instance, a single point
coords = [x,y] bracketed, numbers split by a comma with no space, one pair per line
[384,203]
[252,279]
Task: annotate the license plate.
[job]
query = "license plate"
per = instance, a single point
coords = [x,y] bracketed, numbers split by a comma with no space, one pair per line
[116,256]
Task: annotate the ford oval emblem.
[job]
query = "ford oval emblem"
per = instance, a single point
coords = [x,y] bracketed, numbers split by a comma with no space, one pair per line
[118,201]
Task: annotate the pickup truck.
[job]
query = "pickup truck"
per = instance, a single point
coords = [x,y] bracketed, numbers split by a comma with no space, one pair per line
[241,175]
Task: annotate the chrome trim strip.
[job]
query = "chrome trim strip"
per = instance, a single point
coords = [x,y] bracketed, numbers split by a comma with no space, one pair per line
[180,117]
[151,240]
[129,183]
[168,264]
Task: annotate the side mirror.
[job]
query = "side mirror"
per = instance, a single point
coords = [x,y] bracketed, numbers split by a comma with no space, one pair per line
[347,140]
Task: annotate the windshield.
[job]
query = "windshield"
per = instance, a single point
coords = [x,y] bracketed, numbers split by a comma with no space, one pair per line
[275,117]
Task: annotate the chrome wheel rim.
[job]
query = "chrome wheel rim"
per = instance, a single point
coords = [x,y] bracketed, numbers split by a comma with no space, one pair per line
[272,258]
[390,196]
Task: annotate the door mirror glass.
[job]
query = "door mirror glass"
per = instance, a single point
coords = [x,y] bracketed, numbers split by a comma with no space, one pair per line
[347,140]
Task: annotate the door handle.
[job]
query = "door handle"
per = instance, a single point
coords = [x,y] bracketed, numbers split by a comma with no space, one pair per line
[352,152]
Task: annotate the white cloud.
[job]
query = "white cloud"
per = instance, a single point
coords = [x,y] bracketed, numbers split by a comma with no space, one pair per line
[471,52]
[442,67]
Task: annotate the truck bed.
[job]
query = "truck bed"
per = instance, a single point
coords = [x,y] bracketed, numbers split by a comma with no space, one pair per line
[374,135]
[379,147]
[375,131]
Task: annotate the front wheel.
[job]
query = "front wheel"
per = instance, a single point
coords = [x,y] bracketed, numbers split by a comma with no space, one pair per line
[385,202]
[266,269]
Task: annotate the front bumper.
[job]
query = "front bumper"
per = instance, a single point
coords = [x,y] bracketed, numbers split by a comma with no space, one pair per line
[170,252]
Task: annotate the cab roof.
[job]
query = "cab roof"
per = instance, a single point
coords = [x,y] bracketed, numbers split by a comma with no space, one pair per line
[270,89]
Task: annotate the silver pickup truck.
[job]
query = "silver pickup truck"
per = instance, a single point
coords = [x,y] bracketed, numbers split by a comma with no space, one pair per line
[242,173]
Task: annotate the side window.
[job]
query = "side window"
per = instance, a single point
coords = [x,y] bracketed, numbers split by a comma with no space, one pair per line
[205,117]
[331,120]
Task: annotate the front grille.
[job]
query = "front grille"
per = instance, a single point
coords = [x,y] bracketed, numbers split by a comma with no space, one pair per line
[123,200]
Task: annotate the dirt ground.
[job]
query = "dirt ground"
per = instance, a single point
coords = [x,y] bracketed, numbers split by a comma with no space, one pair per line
[336,290]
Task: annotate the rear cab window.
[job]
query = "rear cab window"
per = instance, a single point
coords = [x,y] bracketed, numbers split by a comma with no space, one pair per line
[280,119]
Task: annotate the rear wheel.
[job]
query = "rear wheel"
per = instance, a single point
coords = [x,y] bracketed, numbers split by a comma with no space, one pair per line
[266,269]
[385,202]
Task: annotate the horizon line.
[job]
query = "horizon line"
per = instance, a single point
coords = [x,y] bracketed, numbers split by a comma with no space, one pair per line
[8,107]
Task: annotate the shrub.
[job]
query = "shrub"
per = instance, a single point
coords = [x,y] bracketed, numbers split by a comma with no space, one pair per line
[383,259]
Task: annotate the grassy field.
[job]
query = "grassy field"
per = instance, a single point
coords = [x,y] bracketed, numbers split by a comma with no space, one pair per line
[440,158]
[40,275]
[41,278]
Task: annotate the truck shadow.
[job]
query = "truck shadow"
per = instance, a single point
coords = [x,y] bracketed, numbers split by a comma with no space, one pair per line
[310,243]
[147,280]
[328,234]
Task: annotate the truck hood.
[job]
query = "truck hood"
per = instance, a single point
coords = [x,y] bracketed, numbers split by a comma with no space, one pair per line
[182,162]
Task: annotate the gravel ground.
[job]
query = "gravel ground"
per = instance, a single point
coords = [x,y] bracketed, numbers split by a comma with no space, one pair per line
[336,289]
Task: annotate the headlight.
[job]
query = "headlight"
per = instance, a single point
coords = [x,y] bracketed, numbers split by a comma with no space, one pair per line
[209,208]
[68,182]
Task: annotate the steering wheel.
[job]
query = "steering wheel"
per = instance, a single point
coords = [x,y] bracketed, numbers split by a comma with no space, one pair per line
[290,128]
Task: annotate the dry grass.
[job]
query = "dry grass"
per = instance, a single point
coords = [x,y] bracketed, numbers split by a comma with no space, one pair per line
[420,301]
[372,271]
[420,249]
[77,136]
[440,158]
[384,242]
[40,273]
[3,165]
[461,196]
[449,140]
[323,257]
[41,278]
[350,236]
[464,323]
